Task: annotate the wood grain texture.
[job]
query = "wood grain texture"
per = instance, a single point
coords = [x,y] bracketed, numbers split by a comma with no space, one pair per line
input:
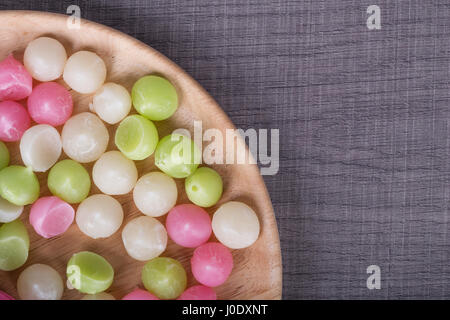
[257,271]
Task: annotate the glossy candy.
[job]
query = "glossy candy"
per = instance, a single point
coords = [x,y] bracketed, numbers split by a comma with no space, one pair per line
[177,155]
[84,137]
[155,194]
[15,81]
[111,103]
[89,272]
[9,211]
[50,103]
[144,238]
[45,58]
[19,185]
[84,72]
[136,137]
[98,296]
[4,155]
[40,147]
[164,277]
[5,296]
[198,292]
[14,120]
[154,97]
[99,216]
[114,174]
[204,187]
[40,282]
[188,225]
[211,264]
[14,247]
[50,216]
[69,181]
[236,225]
[139,294]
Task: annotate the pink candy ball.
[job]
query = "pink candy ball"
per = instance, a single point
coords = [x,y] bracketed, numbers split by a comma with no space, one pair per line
[4,296]
[198,292]
[15,81]
[188,225]
[50,216]
[50,103]
[211,264]
[14,121]
[140,294]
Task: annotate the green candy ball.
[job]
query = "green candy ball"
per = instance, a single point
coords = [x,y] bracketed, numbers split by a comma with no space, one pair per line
[69,181]
[164,277]
[19,185]
[154,97]
[4,156]
[89,272]
[177,155]
[136,137]
[204,187]
[14,245]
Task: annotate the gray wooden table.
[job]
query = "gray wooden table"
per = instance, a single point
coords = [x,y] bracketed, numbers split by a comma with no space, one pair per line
[363,118]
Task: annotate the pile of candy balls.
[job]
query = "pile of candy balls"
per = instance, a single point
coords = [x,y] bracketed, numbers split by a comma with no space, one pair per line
[36,111]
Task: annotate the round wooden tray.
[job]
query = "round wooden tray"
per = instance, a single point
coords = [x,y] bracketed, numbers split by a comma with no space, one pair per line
[257,272]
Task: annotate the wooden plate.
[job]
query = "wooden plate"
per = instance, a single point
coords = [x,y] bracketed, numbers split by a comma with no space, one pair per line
[257,270]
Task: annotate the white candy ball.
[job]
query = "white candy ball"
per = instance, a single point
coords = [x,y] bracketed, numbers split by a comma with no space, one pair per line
[45,58]
[84,137]
[155,194]
[9,211]
[235,225]
[40,147]
[111,103]
[99,216]
[40,282]
[98,296]
[85,72]
[144,238]
[114,173]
